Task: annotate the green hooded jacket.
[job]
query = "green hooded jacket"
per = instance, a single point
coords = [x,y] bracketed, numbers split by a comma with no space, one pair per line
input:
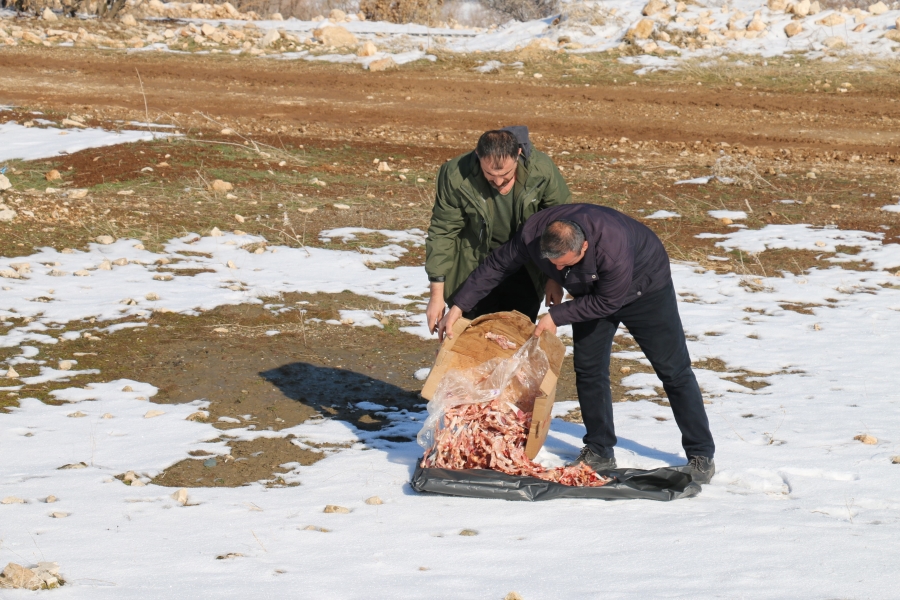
[462,220]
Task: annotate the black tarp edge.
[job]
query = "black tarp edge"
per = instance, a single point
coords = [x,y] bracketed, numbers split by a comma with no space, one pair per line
[664,484]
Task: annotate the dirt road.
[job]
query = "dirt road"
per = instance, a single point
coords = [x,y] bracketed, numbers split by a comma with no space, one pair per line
[448,99]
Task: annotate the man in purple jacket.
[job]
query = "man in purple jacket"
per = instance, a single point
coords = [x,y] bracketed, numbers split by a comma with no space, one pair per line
[617,271]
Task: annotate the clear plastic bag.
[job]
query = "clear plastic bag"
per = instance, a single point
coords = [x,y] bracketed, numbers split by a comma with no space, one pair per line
[511,384]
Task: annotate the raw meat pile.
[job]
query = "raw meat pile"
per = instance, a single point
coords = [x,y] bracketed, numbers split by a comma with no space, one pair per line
[500,340]
[479,419]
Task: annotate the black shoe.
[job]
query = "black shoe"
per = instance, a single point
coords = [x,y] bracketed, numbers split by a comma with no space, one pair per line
[594,461]
[702,468]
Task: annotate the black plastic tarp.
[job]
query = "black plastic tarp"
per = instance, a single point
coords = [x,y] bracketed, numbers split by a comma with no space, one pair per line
[666,483]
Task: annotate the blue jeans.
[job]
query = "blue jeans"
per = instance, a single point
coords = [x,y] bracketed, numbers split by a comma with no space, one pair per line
[654,323]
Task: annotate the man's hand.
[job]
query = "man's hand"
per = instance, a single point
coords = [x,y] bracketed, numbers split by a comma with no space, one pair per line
[553,293]
[445,327]
[545,324]
[436,306]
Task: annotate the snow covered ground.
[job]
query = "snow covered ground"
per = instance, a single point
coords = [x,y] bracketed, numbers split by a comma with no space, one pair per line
[45,140]
[666,32]
[799,507]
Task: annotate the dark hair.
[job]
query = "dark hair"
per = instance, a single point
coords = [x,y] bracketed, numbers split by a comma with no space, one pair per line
[497,145]
[560,238]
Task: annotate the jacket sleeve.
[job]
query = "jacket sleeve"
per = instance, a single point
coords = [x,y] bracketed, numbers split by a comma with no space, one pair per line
[447,220]
[500,264]
[556,192]
[611,290]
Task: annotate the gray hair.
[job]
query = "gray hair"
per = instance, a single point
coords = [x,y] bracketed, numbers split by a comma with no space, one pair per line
[560,238]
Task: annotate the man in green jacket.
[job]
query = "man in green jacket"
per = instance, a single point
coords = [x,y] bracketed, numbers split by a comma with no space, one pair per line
[483,197]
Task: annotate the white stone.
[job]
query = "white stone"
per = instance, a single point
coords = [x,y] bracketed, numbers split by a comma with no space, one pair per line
[801,9]
[66,365]
[128,20]
[4,183]
[153,413]
[12,374]
[48,15]
[106,240]
[215,232]
[7,215]
[879,8]
[269,38]
[181,496]
[12,500]
[367,49]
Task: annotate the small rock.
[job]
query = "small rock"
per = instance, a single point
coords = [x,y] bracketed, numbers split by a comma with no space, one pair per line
[48,15]
[124,192]
[341,206]
[106,240]
[153,413]
[801,9]
[105,266]
[367,49]
[374,500]
[59,515]
[383,167]
[215,232]
[895,460]
[76,415]
[220,330]
[811,175]
[625,370]
[163,277]
[9,274]
[19,577]
[269,38]
[220,186]
[726,221]
[76,194]
[66,365]
[865,438]
[239,218]
[4,183]
[50,499]
[12,500]
[128,20]
[230,264]
[334,508]
[879,8]
[513,596]
[81,273]
[197,416]
[152,296]
[335,36]
[12,374]
[181,496]
[78,465]
[119,262]
[107,416]
[793,28]
[538,75]
[641,30]
[129,477]
[52,175]
[653,7]
[468,532]
[382,64]
[832,20]
[229,555]
[7,215]
[315,528]
[138,483]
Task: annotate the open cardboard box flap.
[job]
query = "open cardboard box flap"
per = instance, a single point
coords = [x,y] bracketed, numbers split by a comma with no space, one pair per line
[469,348]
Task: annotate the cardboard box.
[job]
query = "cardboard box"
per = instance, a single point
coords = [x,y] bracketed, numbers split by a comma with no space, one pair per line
[468,348]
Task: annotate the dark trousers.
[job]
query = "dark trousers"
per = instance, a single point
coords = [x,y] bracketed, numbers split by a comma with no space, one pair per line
[654,323]
[516,292]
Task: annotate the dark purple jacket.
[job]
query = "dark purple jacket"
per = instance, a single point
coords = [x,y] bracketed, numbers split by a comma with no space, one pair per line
[624,260]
